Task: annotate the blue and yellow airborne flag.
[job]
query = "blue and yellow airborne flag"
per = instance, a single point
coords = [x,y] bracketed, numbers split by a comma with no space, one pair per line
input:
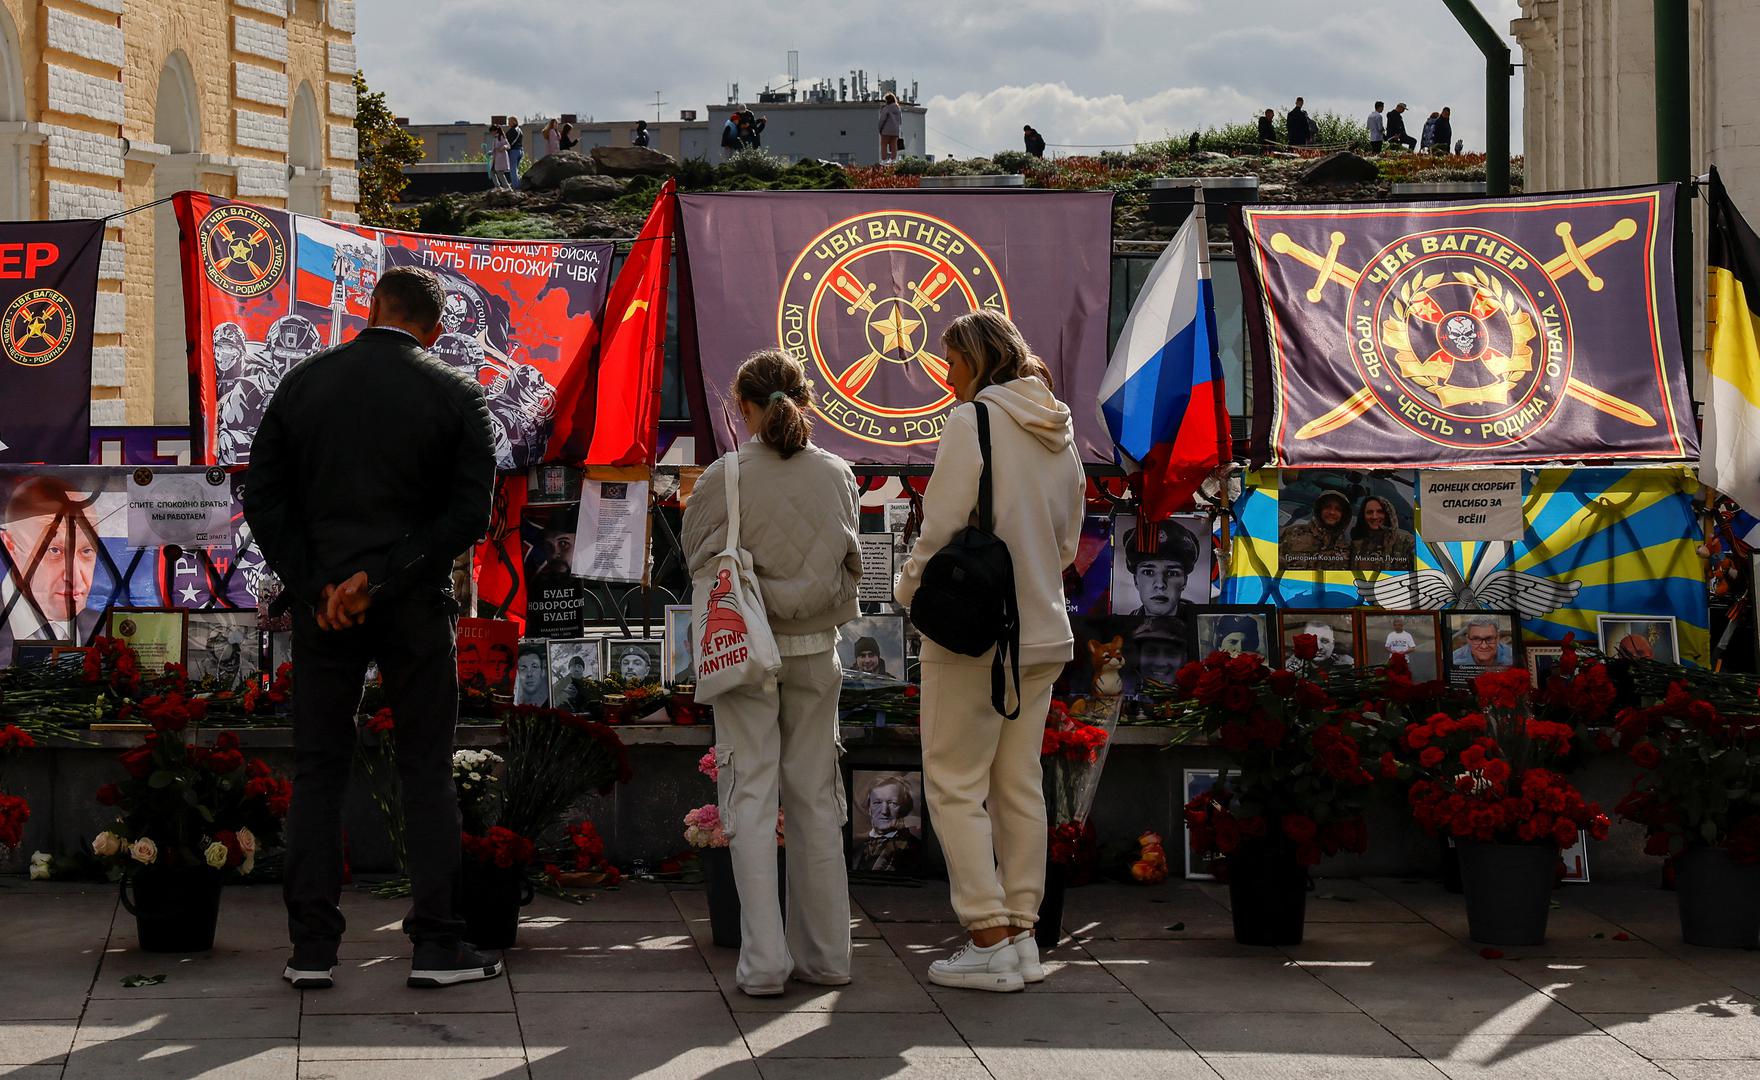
[1594,542]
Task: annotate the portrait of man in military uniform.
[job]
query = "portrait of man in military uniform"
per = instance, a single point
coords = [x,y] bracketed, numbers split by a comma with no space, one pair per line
[1162,569]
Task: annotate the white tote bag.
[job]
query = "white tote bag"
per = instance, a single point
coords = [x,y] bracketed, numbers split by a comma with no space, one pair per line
[735,649]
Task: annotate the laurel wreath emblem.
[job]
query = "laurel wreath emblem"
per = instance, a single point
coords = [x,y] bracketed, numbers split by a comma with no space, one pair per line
[1433,374]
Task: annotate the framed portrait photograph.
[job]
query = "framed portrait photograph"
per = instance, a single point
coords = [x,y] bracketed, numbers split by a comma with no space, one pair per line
[1541,660]
[1415,634]
[1479,641]
[680,653]
[1335,636]
[1162,570]
[637,660]
[155,634]
[571,661]
[224,653]
[277,650]
[487,652]
[871,648]
[1234,629]
[1345,520]
[531,680]
[1197,782]
[1638,637]
[886,820]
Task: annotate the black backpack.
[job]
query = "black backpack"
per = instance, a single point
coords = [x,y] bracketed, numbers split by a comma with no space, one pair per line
[966,602]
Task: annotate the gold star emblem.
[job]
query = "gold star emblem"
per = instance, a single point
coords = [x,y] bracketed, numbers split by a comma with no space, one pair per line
[897,330]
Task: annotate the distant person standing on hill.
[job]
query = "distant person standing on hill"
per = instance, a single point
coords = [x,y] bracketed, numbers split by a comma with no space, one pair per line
[1428,137]
[641,135]
[730,136]
[1035,142]
[1377,128]
[567,141]
[751,130]
[516,149]
[1268,130]
[891,127]
[1442,135]
[498,157]
[552,138]
[1396,127]
[1301,129]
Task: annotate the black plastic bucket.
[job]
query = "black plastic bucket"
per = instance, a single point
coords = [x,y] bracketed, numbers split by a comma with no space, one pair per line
[1268,893]
[1719,899]
[1509,890]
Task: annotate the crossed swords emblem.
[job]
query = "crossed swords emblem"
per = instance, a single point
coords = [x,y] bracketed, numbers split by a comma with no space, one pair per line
[36,324]
[240,249]
[1573,260]
[895,329]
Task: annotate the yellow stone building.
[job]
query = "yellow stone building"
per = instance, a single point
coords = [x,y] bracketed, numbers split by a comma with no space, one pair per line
[107,105]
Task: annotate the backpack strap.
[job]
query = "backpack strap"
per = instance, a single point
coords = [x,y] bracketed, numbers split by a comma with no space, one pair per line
[986,520]
[730,480]
[1009,647]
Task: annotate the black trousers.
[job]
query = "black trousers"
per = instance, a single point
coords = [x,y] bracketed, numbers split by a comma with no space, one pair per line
[413,639]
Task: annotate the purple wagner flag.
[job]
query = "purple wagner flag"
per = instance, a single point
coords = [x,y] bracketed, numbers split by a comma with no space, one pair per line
[859,285]
[1484,332]
[48,295]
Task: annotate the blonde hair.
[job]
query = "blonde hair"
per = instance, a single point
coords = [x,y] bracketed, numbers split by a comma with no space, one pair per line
[995,348]
[777,384]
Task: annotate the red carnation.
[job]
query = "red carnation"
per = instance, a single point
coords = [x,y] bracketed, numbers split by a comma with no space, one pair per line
[1646,755]
[1299,827]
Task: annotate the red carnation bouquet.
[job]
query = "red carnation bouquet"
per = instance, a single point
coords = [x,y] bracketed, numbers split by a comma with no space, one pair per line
[1073,752]
[1296,780]
[1700,779]
[14,810]
[1495,775]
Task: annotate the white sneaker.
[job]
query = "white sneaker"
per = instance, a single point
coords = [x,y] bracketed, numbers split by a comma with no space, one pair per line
[1026,946]
[996,968]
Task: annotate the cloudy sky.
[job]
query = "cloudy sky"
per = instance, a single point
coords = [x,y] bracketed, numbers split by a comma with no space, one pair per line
[1084,74]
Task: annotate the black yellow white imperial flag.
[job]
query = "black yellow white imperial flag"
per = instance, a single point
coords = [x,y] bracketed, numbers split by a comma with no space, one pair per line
[1730,461]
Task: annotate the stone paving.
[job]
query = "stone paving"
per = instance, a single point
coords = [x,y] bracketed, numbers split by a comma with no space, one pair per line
[1148,983]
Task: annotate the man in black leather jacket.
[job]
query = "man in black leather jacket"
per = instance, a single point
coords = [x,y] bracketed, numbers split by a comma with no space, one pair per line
[373,469]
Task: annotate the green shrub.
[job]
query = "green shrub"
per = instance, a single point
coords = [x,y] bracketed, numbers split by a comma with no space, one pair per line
[441,216]
[758,163]
[912,166]
[515,225]
[1012,161]
[694,174]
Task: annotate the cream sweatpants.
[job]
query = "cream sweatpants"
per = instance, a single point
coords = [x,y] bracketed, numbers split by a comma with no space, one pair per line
[986,790]
[782,741]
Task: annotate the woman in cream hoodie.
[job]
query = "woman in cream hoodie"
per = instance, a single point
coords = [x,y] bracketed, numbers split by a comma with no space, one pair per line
[798,518]
[982,771]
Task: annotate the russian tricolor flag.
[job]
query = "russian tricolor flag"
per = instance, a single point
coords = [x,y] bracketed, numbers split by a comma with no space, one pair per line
[1162,397]
[315,263]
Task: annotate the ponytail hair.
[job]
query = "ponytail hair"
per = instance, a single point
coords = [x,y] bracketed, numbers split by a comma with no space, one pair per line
[776,384]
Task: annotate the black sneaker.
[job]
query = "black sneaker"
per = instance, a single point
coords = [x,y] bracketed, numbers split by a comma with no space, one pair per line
[436,965]
[310,970]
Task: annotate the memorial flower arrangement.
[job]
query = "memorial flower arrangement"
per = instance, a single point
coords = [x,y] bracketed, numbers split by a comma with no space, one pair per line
[1072,752]
[585,854]
[1495,774]
[475,775]
[1297,779]
[14,810]
[702,827]
[183,803]
[1699,784]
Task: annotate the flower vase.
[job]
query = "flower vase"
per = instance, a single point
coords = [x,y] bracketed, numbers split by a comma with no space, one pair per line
[489,901]
[1049,929]
[1719,899]
[724,893]
[175,908]
[1508,890]
[1267,893]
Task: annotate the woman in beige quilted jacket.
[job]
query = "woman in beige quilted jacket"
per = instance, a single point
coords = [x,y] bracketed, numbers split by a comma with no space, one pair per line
[798,520]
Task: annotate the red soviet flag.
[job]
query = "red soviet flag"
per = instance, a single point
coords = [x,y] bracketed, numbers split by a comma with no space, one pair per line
[626,417]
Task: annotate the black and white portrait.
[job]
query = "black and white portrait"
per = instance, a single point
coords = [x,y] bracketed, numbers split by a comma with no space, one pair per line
[531,678]
[635,660]
[223,650]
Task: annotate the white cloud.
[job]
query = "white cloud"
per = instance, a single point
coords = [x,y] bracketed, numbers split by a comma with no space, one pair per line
[981,123]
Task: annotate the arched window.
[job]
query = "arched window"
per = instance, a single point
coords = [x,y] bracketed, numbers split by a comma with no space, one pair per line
[305,154]
[15,190]
[177,126]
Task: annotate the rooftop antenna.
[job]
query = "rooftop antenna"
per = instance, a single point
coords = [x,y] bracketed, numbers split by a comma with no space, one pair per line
[657,106]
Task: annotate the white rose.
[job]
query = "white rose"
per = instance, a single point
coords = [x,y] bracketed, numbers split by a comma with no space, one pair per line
[144,851]
[107,844]
[247,842]
[214,856]
[40,863]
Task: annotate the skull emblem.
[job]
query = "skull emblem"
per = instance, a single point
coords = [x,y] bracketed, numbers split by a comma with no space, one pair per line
[452,316]
[1464,334]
